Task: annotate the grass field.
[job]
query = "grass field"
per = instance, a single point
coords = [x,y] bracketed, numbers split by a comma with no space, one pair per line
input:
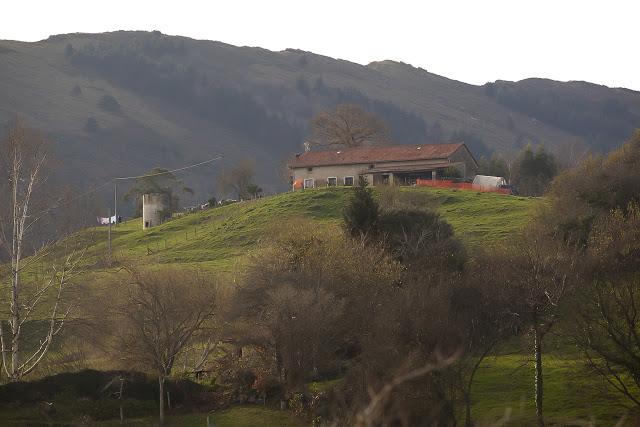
[216,238]
[239,416]
[504,390]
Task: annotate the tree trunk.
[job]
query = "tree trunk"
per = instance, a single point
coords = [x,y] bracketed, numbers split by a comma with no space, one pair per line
[120,399]
[15,327]
[467,391]
[282,376]
[161,383]
[314,362]
[467,403]
[15,280]
[537,349]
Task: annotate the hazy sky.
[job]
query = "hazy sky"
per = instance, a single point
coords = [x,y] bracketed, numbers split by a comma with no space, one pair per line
[473,41]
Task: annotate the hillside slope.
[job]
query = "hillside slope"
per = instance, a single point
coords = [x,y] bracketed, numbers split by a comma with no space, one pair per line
[120,103]
[218,238]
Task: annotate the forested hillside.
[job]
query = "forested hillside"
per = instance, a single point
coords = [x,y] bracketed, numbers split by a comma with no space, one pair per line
[120,103]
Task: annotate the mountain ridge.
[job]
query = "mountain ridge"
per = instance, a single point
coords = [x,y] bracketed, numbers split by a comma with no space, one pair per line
[175,100]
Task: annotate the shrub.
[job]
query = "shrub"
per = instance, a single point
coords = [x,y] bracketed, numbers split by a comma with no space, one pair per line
[91,125]
[361,215]
[109,103]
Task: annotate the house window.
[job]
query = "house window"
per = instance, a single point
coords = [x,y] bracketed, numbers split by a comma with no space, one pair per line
[308,183]
[348,181]
[309,169]
[332,181]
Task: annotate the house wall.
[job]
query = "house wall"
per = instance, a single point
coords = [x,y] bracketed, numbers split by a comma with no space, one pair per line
[469,168]
[321,173]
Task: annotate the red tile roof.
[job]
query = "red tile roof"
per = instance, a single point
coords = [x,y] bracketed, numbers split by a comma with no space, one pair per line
[361,155]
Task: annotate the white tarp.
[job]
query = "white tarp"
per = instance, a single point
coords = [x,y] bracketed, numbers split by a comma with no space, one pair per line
[489,182]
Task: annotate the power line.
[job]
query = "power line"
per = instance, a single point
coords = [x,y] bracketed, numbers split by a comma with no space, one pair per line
[171,171]
[123,178]
[68,202]
[93,190]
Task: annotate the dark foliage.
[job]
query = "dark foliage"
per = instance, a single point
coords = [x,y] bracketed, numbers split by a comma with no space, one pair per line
[109,103]
[91,384]
[91,125]
[75,91]
[158,181]
[594,188]
[153,65]
[534,171]
[493,166]
[69,50]
[576,108]
[419,239]
[361,214]
[145,69]
[476,145]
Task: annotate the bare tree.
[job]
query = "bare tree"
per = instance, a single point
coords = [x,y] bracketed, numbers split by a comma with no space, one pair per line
[239,180]
[159,315]
[349,126]
[607,324]
[23,168]
[482,318]
[374,412]
[537,272]
[304,305]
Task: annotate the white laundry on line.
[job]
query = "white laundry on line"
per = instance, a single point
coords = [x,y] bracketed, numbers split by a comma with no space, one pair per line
[105,221]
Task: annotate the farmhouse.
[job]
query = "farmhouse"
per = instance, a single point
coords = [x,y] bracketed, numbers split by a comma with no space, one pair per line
[397,164]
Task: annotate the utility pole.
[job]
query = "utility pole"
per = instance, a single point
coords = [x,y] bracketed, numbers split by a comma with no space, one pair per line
[109,234]
[115,200]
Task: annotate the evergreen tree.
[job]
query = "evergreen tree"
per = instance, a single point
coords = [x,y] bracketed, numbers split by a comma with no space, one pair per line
[493,166]
[361,215]
[534,171]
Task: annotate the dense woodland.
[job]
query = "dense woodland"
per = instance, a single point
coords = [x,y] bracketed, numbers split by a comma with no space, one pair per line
[569,108]
[389,309]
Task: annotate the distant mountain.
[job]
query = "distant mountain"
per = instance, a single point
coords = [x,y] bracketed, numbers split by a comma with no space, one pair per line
[120,103]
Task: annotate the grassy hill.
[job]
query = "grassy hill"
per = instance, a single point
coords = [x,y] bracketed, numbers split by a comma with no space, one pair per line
[120,103]
[216,238]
